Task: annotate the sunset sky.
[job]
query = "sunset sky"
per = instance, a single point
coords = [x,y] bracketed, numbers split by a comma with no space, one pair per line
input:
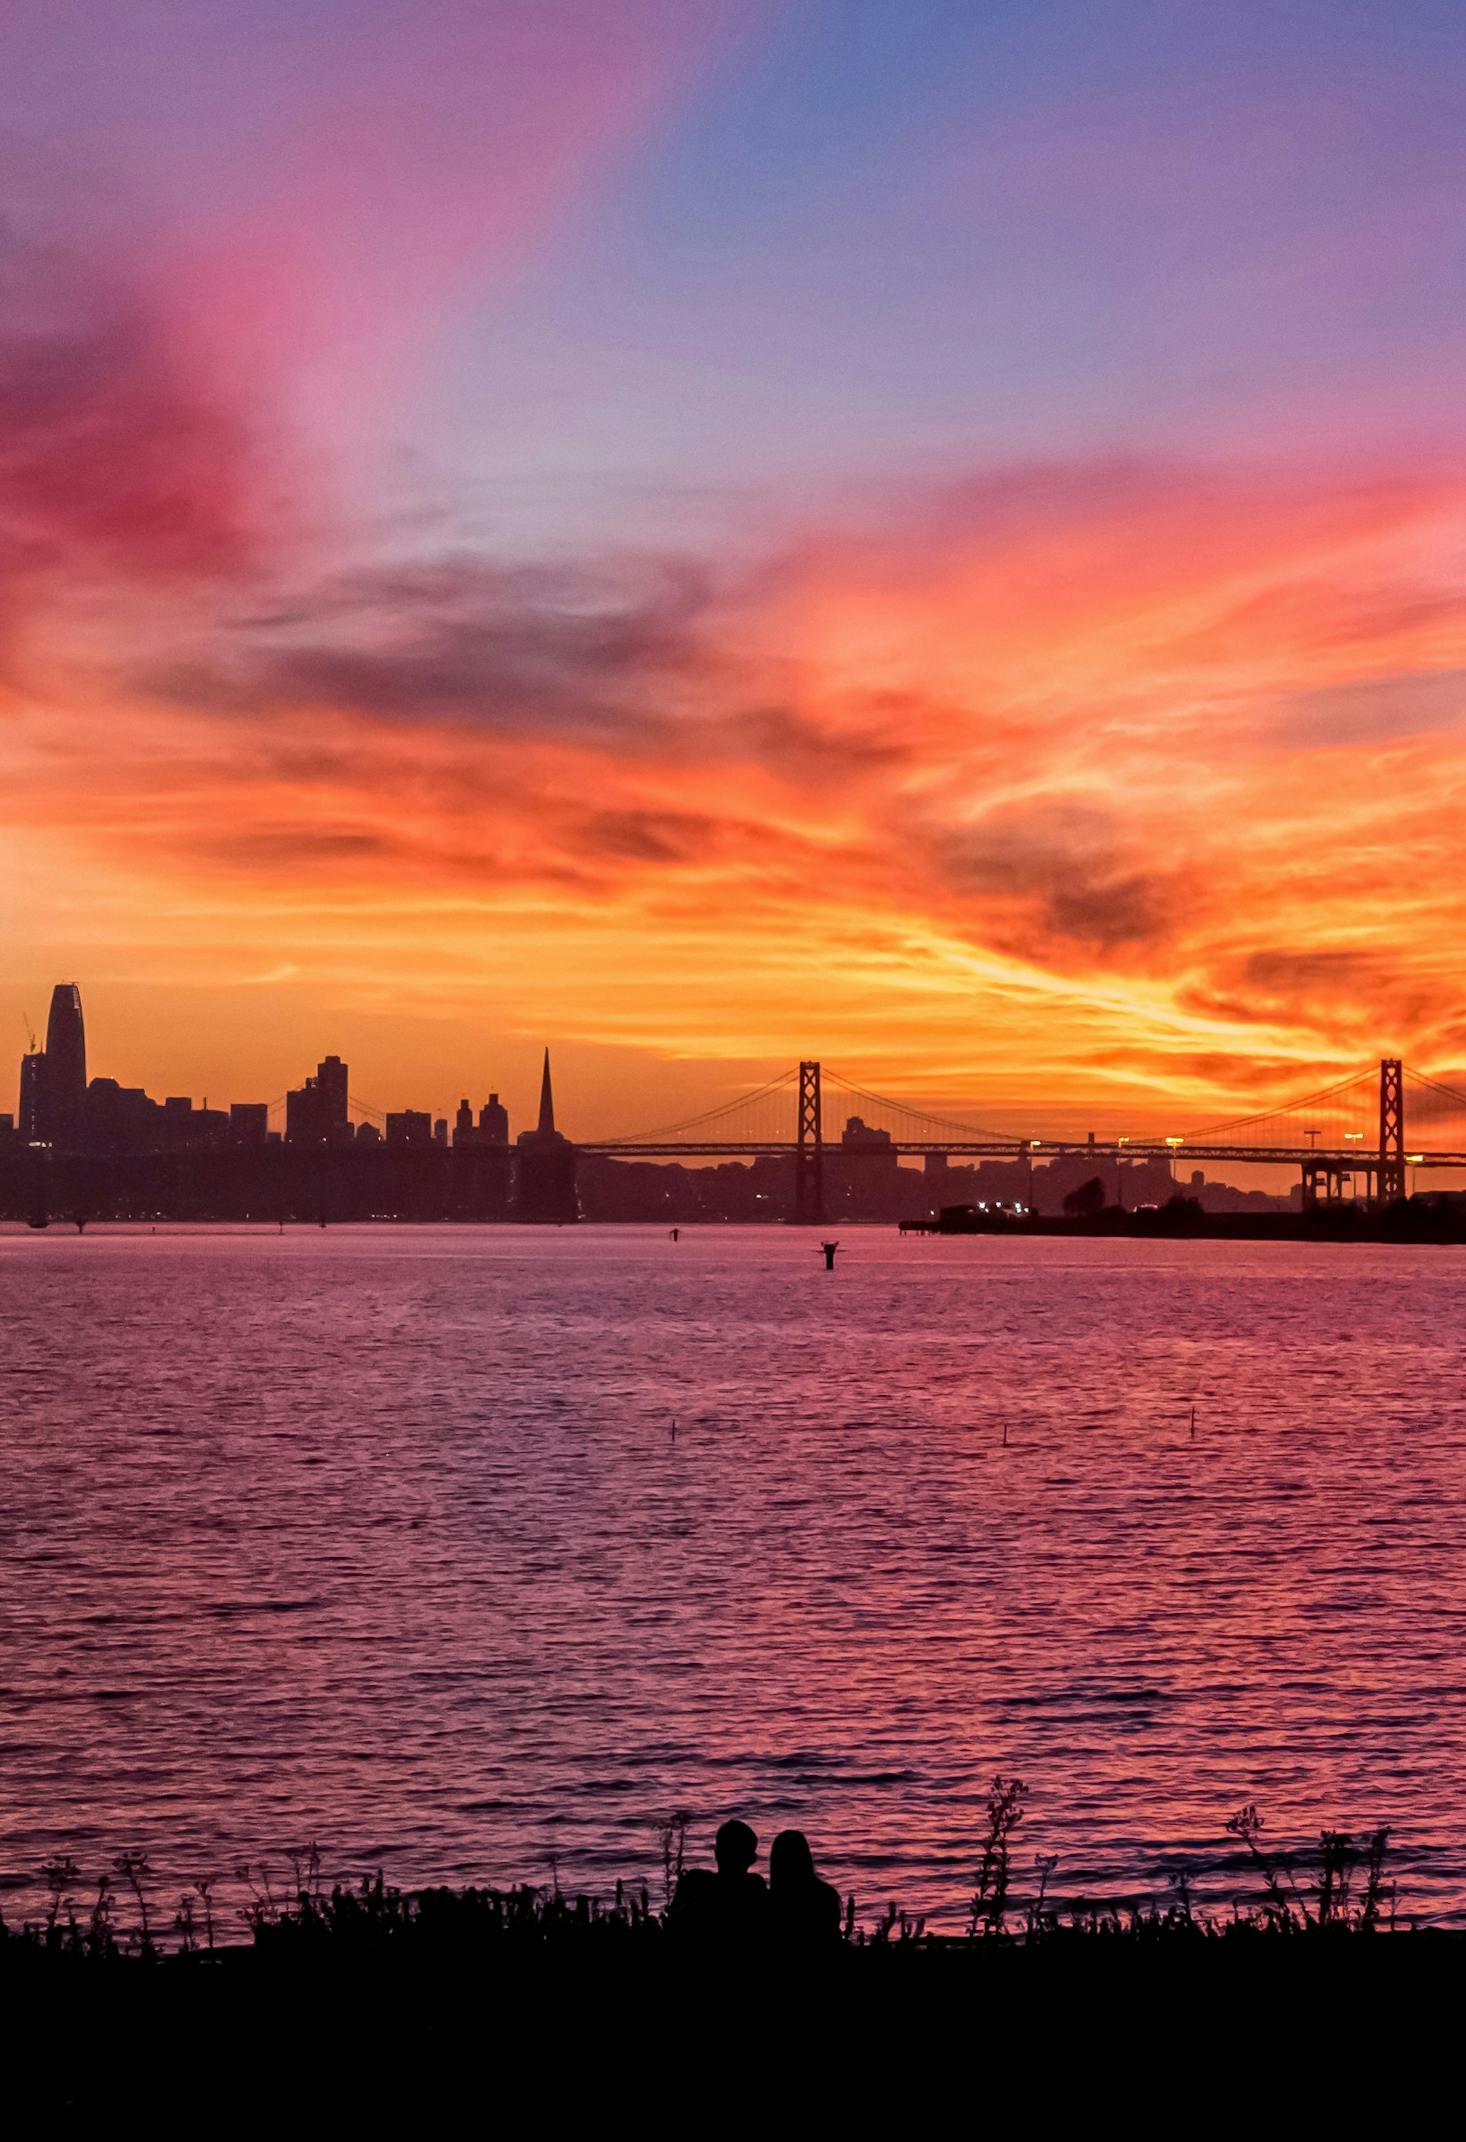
[928,533]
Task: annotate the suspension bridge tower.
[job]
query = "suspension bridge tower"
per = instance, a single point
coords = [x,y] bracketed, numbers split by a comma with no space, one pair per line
[1390,1181]
[809,1157]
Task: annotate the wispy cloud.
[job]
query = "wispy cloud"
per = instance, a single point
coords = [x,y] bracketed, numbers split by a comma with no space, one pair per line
[1020,723]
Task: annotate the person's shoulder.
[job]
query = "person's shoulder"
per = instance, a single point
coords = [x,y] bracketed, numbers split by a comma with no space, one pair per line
[694,1907]
[693,1888]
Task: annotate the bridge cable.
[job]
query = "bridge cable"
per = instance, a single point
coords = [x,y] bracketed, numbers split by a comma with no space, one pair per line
[1284,1108]
[969,1132]
[724,1108]
[1449,1093]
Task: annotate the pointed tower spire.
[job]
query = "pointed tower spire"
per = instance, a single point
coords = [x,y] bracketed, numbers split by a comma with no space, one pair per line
[547,1101]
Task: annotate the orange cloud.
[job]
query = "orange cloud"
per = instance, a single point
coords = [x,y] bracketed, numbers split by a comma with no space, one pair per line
[1067,786]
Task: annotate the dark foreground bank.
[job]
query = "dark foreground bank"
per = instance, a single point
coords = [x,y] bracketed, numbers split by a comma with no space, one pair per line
[1272,2031]
[348,2005]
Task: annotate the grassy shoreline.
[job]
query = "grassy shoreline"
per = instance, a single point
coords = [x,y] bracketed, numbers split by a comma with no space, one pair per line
[1340,1890]
[349,2004]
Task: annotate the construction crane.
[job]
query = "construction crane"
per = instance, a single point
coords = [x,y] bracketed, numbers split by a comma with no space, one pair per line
[30,1033]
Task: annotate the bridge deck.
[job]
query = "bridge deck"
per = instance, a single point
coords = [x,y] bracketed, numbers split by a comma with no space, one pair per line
[1353,1157]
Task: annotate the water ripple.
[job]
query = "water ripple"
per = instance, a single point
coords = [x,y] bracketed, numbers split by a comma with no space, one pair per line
[379,1537]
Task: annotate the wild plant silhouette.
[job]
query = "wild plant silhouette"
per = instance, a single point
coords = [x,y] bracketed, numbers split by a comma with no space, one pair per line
[1340,1890]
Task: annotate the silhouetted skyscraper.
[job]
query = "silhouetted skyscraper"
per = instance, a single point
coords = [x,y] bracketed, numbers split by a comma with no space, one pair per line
[316,1113]
[545,1180]
[331,1083]
[493,1122]
[63,1075]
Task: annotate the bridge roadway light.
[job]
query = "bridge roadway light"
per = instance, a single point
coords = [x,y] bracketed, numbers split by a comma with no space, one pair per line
[1175,1141]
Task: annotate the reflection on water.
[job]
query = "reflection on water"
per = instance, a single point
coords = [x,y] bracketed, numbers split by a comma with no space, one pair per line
[381,1538]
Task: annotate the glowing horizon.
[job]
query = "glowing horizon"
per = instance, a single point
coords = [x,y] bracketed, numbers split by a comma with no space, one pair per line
[713,533]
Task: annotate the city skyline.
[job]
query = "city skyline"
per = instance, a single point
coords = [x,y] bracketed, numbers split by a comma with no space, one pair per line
[87,1148]
[54,1094]
[1360,1128]
[52,1087]
[709,531]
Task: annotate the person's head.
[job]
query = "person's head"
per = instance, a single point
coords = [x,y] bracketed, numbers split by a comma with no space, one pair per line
[790,1859]
[735,1848]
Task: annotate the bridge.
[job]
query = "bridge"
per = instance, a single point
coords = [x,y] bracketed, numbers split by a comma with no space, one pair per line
[1348,1139]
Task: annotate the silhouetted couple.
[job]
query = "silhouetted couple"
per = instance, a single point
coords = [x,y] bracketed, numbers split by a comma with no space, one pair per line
[734,1906]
